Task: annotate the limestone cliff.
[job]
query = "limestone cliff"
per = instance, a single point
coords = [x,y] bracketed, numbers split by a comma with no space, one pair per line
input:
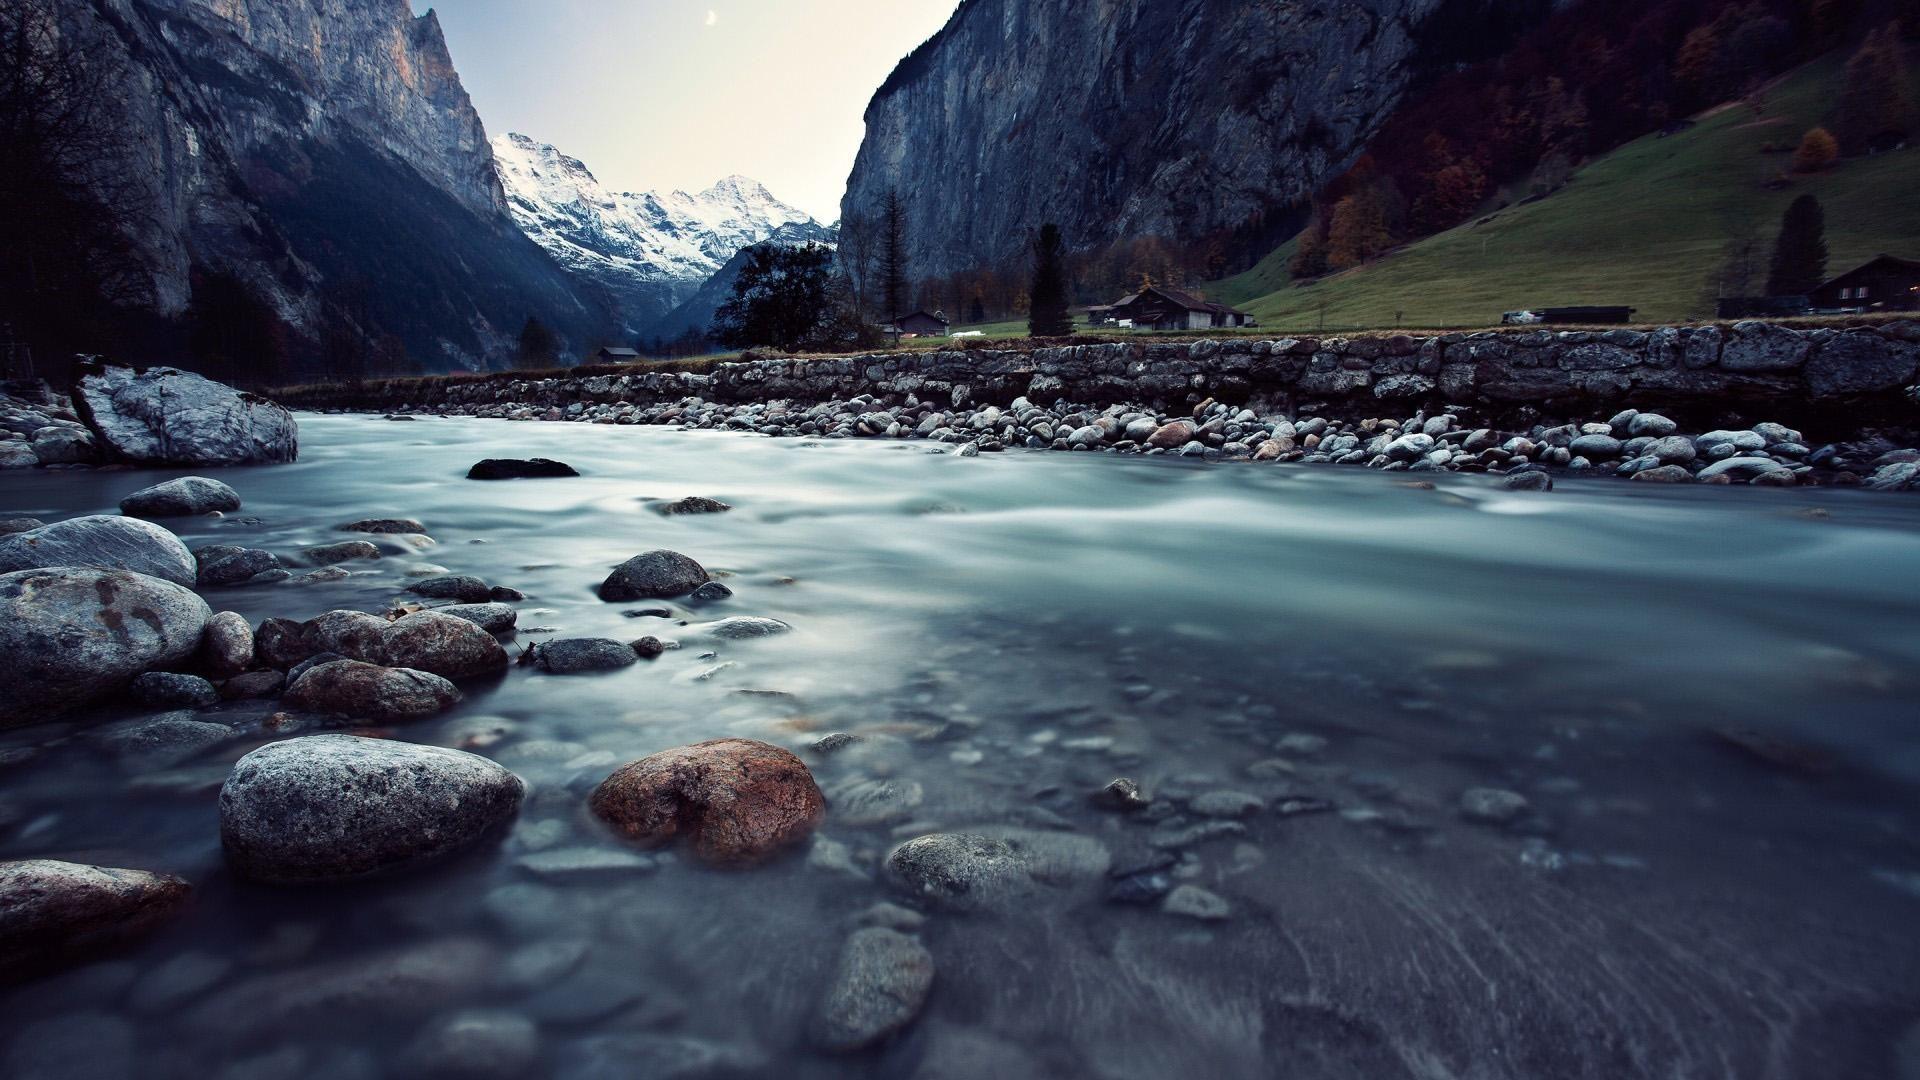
[325,151]
[1126,118]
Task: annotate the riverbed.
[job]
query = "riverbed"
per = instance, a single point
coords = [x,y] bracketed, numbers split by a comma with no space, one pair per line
[1707,697]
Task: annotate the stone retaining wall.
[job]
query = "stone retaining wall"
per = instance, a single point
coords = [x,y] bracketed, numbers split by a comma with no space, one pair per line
[1863,375]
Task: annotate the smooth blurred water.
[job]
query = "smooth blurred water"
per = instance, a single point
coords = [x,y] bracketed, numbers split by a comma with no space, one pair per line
[1014,630]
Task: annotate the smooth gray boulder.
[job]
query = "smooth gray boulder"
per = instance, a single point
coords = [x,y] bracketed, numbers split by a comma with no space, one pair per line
[165,416]
[653,574]
[102,540]
[960,871]
[64,444]
[183,497]
[878,987]
[354,635]
[337,807]
[369,692]
[465,588]
[239,567]
[52,913]
[70,635]
[173,690]
[344,551]
[738,627]
[446,645]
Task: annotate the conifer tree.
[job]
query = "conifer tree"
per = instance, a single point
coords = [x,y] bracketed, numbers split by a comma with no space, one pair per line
[1047,314]
[1800,254]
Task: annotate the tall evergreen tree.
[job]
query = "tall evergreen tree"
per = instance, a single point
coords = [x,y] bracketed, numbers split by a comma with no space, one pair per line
[791,299]
[893,255]
[1800,254]
[537,347]
[1047,314]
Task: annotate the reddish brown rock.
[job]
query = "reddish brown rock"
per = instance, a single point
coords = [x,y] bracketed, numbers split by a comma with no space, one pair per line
[735,800]
[1173,436]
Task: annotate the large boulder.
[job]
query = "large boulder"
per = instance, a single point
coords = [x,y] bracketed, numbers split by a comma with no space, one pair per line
[336,807]
[370,692]
[165,416]
[183,497]
[571,656]
[355,635]
[446,645]
[653,574]
[113,543]
[69,635]
[519,469]
[55,912]
[736,801]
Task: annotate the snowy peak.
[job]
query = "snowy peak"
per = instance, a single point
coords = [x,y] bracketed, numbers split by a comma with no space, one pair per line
[624,239]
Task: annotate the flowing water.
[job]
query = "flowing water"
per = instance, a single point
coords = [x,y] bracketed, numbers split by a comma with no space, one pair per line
[1708,696]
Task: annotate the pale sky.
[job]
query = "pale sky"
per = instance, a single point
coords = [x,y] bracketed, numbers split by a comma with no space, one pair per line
[664,94]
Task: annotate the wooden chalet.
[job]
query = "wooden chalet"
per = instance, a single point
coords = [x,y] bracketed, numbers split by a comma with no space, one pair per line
[920,324]
[1157,308]
[1886,283]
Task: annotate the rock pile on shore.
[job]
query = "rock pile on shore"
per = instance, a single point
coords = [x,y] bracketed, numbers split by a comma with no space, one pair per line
[160,416]
[1628,443]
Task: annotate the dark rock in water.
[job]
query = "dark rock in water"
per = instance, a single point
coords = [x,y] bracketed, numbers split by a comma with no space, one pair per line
[653,575]
[1123,795]
[833,741]
[168,690]
[164,416]
[501,594]
[9,526]
[648,613]
[693,504]
[237,568]
[282,643]
[519,469]
[344,551]
[370,692]
[1142,888]
[54,913]
[355,635]
[744,626]
[253,684]
[384,526]
[1529,480]
[184,497]
[1778,750]
[494,618]
[335,807]
[736,801]
[226,645]
[462,587]
[446,645]
[71,635]
[960,871]
[161,741]
[878,987]
[711,592]
[1492,806]
[113,543]
[647,648]
[569,656]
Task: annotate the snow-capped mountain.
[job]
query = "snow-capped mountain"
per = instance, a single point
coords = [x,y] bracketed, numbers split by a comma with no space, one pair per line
[649,251]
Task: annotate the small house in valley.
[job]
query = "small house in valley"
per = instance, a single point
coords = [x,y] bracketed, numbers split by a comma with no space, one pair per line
[1157,308]
[608,355]
[1884,284]
[920,324]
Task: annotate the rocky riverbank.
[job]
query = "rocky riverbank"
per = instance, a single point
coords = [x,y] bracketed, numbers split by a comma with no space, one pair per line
[1601,403]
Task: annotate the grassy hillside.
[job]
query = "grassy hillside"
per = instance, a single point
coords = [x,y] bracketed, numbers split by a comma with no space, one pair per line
[1645,225]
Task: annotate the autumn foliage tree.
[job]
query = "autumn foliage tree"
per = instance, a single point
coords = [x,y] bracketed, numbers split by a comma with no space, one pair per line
[1358,230]
[1818,149]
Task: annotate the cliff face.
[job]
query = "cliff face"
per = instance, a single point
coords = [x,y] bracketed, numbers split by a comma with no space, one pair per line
[1125,118]
[325,150]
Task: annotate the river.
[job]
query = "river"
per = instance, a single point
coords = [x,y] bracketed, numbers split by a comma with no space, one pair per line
[1708,697]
